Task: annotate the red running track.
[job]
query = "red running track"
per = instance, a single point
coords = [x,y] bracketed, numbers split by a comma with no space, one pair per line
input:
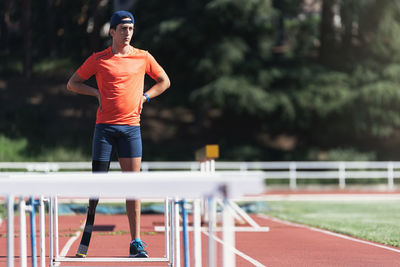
[284,245]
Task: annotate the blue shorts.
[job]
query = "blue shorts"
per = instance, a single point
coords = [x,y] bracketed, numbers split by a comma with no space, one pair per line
[126,139]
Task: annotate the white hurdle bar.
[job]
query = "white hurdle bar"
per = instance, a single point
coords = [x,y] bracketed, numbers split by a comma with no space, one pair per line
[140,185]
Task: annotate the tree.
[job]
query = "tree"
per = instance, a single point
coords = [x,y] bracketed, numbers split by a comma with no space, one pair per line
[4,20]
[51,28]
[27,34]
[323,103]
[327,33]
[334,85]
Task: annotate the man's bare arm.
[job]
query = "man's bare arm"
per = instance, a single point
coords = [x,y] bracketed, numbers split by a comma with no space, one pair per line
[162,84]
[76,84]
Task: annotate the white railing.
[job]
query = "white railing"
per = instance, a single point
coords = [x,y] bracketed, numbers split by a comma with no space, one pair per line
[293,171]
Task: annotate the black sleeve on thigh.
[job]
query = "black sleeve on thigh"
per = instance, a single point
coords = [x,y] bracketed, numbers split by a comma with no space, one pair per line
[100,166]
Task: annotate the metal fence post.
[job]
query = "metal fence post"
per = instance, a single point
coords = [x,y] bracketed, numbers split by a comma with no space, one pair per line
[390,175]
[292,175]
[145,167]
[243,166]
[342,175]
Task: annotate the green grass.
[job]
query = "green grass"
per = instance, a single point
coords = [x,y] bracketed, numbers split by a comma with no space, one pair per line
[2,211]
[18,150]
[49,65]
[375,221]
[331,182]
[11,149]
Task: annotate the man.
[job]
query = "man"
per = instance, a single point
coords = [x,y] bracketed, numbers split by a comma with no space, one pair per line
[120,71]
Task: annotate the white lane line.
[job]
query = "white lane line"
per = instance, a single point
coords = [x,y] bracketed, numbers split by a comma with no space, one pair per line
[237,252]
[69,243]
[220,229]
[332,197]
[330,233]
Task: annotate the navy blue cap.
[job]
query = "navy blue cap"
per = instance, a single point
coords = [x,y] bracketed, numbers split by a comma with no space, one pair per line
[118,17]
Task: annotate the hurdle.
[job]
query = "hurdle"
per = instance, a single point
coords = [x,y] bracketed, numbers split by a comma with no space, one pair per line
[230,212]
[54,240]
[206,157]
[141,185]
[24,207]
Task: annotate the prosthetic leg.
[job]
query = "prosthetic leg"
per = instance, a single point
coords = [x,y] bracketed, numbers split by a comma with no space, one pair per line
[97,166]
[87,232]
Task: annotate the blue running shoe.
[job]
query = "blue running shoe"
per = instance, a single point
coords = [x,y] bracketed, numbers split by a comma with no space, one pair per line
[136,249]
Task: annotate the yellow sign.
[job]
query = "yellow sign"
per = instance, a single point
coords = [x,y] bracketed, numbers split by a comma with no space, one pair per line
[207,152]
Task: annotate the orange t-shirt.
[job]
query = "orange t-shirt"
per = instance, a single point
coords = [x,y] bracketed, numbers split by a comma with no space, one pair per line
[120,80]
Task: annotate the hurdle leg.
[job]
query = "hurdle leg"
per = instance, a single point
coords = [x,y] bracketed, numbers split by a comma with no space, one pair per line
[212,253]
[42,232]
[51,227]
[166,227]
[186,255]
[56,243]
[228,236]
[197,233]
[33,231]
[22,233]
[236,209]
[10,230]
[177,248]
[172,234]
[235,214]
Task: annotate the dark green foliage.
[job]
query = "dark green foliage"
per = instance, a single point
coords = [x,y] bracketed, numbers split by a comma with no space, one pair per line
[248,73]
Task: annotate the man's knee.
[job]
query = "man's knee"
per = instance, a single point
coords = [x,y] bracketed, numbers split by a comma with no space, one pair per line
[100,166]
